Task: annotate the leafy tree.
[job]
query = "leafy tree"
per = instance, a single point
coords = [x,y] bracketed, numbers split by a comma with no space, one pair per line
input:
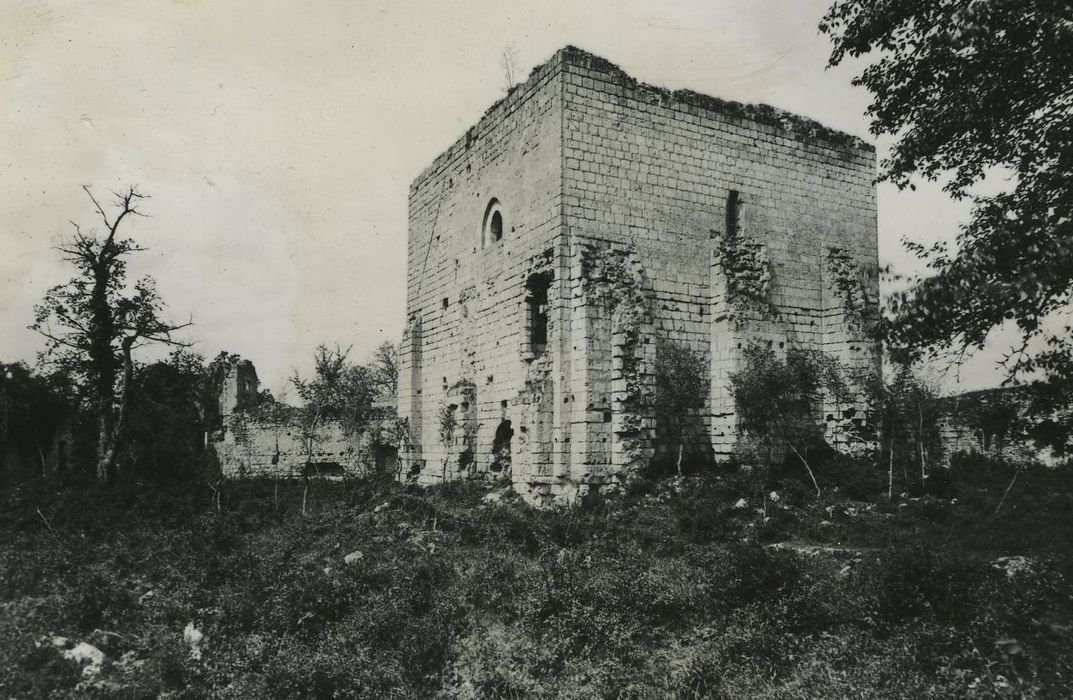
[33,409]
[94,322]
[970,89]
[165,431]
[1048,417]
[778,401]
[681,388]
[907,412]
[339,390]
[994,416]
[385,368]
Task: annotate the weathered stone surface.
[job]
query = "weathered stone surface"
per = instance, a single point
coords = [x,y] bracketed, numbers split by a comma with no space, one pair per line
[269,441]
[1000,423]
[585,221]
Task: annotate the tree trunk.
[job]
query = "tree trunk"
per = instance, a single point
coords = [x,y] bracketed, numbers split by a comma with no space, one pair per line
[102,361]
[680,447]
[808,469]
[890,468]
[1008,489]
[923,473]
[105,406]
[920,444]
[111,439]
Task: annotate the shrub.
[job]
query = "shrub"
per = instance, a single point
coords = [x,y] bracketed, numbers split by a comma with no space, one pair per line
[745,572]
[778,401]
[917,580]
[650,596]
[859,478]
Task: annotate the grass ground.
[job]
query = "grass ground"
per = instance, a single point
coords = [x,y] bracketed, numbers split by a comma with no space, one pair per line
[677,589]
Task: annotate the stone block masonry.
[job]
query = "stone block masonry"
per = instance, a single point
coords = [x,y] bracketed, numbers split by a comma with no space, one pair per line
[1018,424]
[252,439]
[585,222]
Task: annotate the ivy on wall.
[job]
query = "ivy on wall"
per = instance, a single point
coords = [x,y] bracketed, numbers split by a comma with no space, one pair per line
[851,288]
[747,269]
[614,279]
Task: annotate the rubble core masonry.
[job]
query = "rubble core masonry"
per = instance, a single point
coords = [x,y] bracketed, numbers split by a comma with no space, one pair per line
[586,224]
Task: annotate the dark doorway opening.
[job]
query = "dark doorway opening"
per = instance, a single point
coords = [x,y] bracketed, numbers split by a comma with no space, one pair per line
[501,448]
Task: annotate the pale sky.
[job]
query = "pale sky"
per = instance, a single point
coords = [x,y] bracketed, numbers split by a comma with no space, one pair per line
[278,140]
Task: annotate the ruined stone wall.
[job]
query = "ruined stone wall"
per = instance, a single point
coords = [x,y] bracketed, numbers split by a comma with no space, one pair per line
[238,391]
[631,219]
[998,423]
[655,172]
[466,367]
[249,447]
[267,440]
[252,445]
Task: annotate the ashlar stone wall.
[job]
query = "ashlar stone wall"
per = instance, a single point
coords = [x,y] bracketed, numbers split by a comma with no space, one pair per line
[586,222]
[485,269]
[253,445]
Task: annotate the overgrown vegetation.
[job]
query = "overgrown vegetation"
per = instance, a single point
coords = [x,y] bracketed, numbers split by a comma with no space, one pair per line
[748,271]
[676,590]
[779,401]
[48,427]
[682,385]
[972,93]
[907,412]
[93,323]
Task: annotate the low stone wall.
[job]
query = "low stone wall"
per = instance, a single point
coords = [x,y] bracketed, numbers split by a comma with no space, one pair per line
[999,423]
[250,447]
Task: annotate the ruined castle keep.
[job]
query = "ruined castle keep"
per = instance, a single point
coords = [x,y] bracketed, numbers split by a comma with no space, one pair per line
[586,227]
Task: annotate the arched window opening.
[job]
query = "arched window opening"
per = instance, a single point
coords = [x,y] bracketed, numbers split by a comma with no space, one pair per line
[492,227]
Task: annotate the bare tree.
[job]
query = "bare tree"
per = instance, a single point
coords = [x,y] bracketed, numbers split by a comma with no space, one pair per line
[94,322]
[385,368]
[509,61]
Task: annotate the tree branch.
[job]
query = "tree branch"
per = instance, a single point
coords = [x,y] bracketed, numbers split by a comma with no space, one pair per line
[100,209]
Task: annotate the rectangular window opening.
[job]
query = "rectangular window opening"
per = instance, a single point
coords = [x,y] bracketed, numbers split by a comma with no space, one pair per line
[733,212]
[537,299]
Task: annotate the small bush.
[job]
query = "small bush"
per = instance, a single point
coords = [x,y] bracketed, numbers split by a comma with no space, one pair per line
[916,580]
[670,593]
[857,478]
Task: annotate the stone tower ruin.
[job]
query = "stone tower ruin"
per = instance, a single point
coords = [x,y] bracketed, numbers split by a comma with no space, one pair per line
[238,390]
[588,223]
